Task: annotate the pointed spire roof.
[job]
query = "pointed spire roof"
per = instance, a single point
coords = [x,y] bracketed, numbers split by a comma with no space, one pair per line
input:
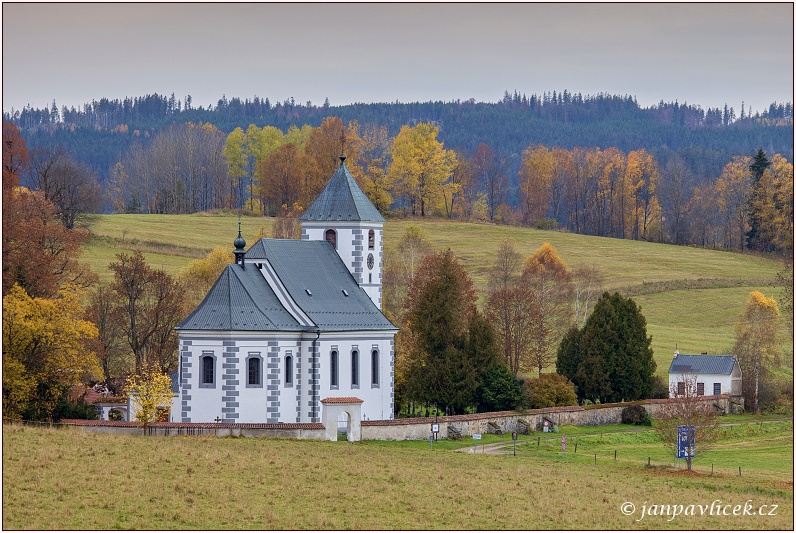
[342,200]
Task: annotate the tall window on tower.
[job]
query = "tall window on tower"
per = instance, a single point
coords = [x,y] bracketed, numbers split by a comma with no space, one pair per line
[371,240]
[331,236]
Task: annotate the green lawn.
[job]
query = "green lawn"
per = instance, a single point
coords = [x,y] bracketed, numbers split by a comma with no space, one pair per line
[69,479]
[692,320]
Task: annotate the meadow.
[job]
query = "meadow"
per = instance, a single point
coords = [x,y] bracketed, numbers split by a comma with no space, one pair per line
[691,297]
[69,479]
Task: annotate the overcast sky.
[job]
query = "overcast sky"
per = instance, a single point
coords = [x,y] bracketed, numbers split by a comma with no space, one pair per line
[705,54]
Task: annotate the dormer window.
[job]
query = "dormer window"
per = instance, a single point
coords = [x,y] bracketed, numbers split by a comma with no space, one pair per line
[331,236]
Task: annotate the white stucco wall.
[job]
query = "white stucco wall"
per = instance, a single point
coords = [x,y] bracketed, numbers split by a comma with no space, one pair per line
[232,399]
[708,379]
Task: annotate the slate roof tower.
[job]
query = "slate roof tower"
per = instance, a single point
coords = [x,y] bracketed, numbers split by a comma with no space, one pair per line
[345,217]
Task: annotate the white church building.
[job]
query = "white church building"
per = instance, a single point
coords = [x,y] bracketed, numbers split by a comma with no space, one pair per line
[294,325]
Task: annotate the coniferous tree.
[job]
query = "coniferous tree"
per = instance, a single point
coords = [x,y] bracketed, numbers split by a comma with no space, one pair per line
[610,359]
[452,344]
[757,203]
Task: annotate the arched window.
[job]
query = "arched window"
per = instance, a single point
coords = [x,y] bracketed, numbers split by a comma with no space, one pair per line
[208,376]
[371,239]
[331,236]
[355,368]
[333,368]
[289,371]
[374,368]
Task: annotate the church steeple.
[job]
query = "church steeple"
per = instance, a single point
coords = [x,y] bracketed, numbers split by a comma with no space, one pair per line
[345,217]
[240,249]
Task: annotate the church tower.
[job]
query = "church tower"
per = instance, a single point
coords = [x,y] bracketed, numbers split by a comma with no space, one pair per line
[345,217]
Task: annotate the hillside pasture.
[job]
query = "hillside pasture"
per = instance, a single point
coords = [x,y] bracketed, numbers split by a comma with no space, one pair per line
[691,297]
[69,479]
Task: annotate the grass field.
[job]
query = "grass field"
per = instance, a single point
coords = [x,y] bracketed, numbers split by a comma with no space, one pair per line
[681,310]
[68,479]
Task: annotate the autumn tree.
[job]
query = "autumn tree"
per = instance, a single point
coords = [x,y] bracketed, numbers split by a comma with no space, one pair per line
[375,148]
[44,351]
[200,275]
[549,282]
[150,392]
[282,178]
[771,205]
[420,167]
[400,266]
[690,410]
[536,179]
[489,172]
[39,253]
[109,345]
[72,187]
[452,341]
[732,188]
[642,170]
[324,146]
[150,303]
[676,187]
[756,343]
[510,308]
[234,152]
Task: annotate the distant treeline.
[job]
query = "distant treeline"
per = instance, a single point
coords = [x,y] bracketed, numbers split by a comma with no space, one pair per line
[99,131]
[558,160]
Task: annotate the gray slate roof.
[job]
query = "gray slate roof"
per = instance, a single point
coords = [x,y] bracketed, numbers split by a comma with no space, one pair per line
[702,364]
[242,300]
[342,200]
[315,265]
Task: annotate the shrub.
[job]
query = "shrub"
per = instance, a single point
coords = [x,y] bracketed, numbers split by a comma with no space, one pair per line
[549,390]
[636,415]
[500,390]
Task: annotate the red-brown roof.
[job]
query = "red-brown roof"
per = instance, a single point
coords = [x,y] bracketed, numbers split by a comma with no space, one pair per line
[345,399]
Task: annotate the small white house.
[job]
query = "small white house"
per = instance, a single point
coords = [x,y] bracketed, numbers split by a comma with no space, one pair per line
[714,374]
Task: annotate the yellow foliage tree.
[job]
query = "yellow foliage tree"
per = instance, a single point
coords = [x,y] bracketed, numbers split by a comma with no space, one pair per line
[756,342]
[420,167]
[200,275]
[536,179]
[548,282]
[150,393]
[44,351]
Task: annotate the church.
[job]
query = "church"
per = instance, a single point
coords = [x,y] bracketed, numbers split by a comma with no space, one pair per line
[294,325]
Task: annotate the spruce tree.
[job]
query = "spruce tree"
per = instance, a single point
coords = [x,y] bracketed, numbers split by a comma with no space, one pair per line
[755,237]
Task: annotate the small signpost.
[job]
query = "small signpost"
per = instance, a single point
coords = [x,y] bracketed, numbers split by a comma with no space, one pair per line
[685,441]
[476,436]
[514,438]
[434,430]
[431,441]
[545,426]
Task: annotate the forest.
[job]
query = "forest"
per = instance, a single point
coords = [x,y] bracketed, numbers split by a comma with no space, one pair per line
[594,164]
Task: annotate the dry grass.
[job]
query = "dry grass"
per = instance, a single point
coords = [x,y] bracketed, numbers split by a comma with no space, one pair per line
[67,479]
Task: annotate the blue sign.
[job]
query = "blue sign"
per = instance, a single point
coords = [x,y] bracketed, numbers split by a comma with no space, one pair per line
[685,441]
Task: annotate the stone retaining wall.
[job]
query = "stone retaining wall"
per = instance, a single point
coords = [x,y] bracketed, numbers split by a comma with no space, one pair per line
[592,415]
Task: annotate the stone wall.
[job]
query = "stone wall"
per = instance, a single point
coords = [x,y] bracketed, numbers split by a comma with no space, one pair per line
[507,421]
[404,428]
